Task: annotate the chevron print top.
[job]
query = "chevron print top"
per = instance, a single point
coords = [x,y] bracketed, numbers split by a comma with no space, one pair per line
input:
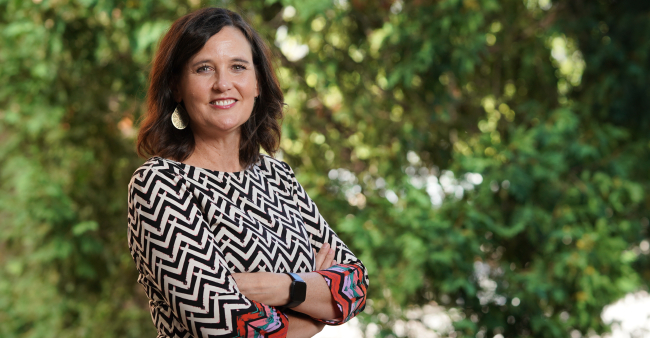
[190,228]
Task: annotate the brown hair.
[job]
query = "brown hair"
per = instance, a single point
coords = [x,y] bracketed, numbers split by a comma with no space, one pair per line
[184,39]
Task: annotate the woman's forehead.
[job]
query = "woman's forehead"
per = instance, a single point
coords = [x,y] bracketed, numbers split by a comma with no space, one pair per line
[227,45]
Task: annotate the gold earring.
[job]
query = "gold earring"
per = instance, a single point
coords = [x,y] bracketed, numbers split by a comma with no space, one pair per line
[177,118]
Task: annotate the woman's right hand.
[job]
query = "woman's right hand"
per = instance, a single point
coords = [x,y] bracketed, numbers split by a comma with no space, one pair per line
[324,257]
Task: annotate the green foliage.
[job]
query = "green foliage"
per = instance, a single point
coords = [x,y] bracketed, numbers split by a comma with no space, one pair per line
[549,105]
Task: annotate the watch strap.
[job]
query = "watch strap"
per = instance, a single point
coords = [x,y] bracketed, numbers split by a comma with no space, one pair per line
[297,290]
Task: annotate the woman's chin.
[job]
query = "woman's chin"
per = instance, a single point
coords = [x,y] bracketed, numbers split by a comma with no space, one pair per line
[224,127]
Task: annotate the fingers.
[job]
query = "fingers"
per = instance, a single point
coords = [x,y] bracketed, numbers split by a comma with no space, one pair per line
[325,257]
[322,254]
[329,259]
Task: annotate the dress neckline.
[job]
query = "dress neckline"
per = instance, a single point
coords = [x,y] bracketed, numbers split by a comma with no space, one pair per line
[216,172]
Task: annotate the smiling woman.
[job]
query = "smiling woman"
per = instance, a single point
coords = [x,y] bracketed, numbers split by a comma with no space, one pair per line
[197,58]
[219,87]
[226,241]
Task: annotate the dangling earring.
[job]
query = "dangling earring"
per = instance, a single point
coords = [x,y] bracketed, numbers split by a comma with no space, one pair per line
[177,118]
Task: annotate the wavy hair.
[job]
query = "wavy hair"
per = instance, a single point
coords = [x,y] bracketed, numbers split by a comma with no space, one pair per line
[185,38]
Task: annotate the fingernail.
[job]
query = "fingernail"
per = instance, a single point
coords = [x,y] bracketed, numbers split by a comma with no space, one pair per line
[331,251]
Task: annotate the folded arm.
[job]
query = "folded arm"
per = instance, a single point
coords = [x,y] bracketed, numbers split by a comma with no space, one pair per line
[273,288]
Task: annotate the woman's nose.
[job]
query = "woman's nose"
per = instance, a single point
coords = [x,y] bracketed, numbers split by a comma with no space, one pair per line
[223,83]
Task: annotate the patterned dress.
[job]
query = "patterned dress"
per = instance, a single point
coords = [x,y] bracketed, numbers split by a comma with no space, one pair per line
[190,228]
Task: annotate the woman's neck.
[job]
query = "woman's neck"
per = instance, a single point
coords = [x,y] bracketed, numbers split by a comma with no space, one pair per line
[217,153]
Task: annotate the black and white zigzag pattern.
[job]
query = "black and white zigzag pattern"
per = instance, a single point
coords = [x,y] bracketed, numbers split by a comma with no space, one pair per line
[190,228]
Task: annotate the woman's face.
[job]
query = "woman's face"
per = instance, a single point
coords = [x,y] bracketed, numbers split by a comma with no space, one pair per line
[218,85]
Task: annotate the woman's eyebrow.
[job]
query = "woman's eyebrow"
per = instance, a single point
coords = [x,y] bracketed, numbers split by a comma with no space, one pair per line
[235,59]
[200,62]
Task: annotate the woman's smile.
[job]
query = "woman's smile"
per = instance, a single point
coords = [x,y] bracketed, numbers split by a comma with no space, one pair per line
[223,103]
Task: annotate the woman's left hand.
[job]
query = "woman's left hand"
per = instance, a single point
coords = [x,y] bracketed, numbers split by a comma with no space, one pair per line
[324,257]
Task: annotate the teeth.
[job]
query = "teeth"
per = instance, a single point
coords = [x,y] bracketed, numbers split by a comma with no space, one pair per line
[223,102]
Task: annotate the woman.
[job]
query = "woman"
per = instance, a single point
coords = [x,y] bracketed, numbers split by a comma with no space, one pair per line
[226,241]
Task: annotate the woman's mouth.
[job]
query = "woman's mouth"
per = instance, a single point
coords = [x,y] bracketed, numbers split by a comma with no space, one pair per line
[224,104]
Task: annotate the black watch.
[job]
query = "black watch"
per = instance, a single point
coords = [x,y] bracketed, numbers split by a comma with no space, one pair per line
[297,290]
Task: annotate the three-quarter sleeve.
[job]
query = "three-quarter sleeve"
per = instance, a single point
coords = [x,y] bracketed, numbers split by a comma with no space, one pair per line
[348,279]
[182,268]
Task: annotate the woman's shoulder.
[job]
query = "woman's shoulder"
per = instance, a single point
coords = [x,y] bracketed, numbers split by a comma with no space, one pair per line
[156,167]
[274,166]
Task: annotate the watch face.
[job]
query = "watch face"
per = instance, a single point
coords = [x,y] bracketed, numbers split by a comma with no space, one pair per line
[299,291]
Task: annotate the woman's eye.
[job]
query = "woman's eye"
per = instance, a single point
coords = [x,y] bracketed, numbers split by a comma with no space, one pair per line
[203,69]
[239,67]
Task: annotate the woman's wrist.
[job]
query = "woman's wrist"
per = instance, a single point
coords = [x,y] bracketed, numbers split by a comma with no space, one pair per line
[264,287]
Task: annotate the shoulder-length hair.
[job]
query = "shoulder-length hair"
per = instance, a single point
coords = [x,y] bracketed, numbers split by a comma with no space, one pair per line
[185,38]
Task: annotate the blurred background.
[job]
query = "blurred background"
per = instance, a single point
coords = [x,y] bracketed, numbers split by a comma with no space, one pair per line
[487,160]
